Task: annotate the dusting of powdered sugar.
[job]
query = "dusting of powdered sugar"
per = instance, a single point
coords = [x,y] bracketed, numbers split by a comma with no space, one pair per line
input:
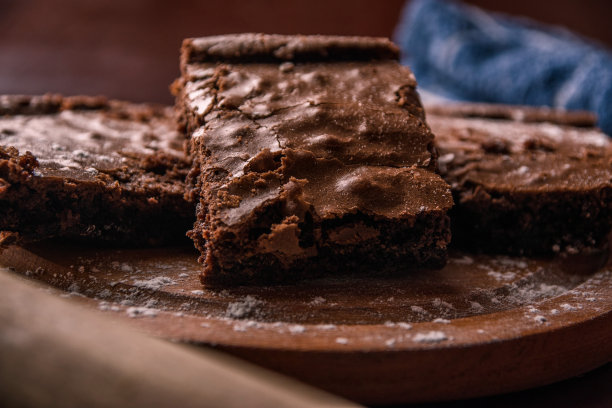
[327,326]
[246,307]
[418,310]
[433,336]
[154,283]
[296,329]
[502,276]
[401,325]
[531,292]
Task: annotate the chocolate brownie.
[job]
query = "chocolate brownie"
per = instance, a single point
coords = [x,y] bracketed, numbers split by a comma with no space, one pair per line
[88,167]
[525,180]
[312,157]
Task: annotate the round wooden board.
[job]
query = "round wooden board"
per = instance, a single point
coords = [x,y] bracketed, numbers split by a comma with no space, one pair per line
[483,325]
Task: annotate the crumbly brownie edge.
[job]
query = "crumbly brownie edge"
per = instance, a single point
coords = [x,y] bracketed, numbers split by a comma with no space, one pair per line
[398,244]
[404,246]
[528,224]
[54,103]
[58,207]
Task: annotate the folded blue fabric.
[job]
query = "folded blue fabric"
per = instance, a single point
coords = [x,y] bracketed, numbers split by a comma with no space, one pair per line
[463,53]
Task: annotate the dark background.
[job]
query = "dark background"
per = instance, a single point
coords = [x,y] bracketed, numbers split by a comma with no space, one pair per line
[129,48]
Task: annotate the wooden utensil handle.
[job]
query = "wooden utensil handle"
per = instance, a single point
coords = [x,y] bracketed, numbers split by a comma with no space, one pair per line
[54,353]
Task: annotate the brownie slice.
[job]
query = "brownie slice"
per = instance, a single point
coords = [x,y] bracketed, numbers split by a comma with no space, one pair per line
[312,157]
[525,180]
[88,167]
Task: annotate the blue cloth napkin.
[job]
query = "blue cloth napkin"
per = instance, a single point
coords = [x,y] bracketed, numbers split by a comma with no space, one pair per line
[463,53]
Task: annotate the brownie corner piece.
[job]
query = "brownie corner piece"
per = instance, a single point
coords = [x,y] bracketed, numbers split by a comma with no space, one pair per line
[525,180]
[87,167]
[313,158]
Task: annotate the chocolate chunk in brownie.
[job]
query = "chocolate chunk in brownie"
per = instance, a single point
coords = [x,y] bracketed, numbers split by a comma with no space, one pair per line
[525,180]
[88,167]
[312,157]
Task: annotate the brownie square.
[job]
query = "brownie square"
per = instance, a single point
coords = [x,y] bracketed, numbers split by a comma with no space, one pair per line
[91,168]
[311,157]
[525,180]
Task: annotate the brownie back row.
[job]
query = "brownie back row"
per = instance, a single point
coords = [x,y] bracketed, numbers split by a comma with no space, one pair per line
[309,156]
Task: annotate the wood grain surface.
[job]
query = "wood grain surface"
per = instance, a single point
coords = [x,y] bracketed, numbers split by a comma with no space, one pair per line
[481,326]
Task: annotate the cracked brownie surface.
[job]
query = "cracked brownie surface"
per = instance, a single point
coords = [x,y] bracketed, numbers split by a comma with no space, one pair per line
[88,167]
[311,157]
[525,180]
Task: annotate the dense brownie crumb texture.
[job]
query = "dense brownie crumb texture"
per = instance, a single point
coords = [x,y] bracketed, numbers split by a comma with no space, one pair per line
[88,167]
[525,180]
[311,156]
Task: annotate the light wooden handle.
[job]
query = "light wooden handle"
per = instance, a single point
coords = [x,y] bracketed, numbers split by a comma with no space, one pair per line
[56,354]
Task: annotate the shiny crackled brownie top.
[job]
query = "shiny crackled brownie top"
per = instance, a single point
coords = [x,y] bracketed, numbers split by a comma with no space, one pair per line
[348,122]
[81,137]
[520,149]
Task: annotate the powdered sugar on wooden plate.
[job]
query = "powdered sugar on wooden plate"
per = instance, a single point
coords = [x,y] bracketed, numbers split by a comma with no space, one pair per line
[433,336]
[246,307]
[155,283]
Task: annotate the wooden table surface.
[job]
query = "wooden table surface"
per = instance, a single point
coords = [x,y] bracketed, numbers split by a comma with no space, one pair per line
[129,50]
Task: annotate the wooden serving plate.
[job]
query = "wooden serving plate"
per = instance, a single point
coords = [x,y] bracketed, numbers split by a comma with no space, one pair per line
[483,325]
